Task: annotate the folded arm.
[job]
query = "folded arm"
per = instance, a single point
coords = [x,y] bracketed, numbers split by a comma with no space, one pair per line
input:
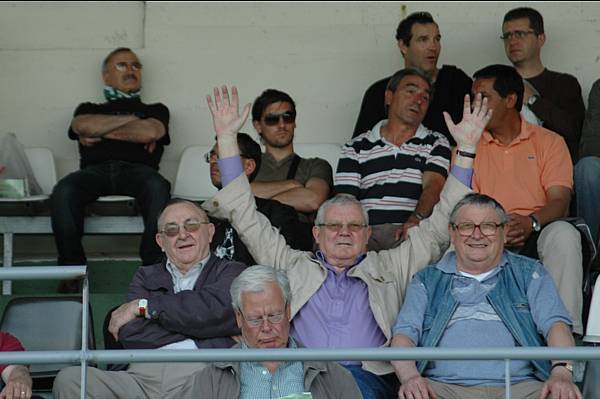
[118,127]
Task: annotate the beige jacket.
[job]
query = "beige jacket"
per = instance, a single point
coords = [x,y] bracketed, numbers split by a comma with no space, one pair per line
[386,273]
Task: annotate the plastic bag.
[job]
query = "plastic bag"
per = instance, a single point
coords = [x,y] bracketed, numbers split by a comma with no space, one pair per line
[15,162]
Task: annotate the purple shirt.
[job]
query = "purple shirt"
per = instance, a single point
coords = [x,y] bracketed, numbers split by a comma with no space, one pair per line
[338,314]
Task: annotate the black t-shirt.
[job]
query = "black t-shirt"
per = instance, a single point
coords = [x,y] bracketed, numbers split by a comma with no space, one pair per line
[118,150]
[449,92]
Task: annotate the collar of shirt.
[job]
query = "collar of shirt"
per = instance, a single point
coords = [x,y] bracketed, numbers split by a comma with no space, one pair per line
[375,133]
[269,158]
[188,280]
[525,133]
[321,258]
[448,264]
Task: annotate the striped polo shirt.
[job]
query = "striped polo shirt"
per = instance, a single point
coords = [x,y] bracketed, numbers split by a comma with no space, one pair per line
[386,178]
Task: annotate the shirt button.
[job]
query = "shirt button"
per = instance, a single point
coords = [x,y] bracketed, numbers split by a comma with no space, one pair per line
[264,372]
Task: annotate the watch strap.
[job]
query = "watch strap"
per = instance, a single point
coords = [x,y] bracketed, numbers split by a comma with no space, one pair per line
[466,154]
[566,365]
[143,307]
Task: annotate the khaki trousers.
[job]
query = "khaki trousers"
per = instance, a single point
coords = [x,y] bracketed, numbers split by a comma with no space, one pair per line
[140,381]
[524,390]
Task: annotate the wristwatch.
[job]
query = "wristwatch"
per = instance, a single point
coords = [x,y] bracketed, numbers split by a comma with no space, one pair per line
[535,224]
[142,307]
[566,365]
[532,99]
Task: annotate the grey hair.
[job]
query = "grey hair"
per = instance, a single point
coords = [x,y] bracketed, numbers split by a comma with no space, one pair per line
[340,199]
[480,200]
[111,54]
[254,279]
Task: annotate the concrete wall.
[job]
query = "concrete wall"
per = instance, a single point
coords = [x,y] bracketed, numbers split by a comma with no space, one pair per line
[324,54]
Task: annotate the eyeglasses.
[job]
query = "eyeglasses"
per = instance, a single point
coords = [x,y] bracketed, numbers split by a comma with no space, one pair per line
[519,34]
[122,66]
[190,225]
[271,318]
[209,156]
[273,119]
[468,228]
[337,227]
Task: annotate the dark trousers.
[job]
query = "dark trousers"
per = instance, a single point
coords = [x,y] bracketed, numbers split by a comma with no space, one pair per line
[72,193]
[373,386]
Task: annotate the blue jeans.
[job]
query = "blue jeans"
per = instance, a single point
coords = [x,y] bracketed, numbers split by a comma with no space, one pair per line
[72,193]
[373,386]
[587,192]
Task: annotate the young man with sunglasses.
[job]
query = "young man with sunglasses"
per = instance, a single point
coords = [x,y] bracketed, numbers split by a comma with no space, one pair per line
[419,40]
[303,183]
[485,296]
[181,303]
[343,296]
[120,143]
[554,97]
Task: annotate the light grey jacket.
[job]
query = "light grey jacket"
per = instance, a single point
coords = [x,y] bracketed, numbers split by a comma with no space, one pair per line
[221,380]
[386,273]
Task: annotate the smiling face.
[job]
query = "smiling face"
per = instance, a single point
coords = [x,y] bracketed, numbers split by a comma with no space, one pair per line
[185,249]
[257,305]
[477,253]
[123,72]
[341,248]
[281,134]
[523,49]
[424,48]
[410,101]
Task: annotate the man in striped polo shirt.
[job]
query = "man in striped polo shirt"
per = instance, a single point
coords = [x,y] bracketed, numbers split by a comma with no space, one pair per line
[398,168]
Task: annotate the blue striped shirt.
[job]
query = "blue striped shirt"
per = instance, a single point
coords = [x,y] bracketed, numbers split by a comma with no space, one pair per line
[257,382]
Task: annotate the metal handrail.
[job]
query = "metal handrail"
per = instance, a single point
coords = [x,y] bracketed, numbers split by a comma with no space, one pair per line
[57,273]
[301,354]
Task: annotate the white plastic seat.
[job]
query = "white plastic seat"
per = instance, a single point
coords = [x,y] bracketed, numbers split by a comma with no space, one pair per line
[44,170]
[193,175]
[327,151]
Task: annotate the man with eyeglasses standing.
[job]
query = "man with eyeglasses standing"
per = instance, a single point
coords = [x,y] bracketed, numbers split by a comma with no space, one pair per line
[527,169]
[398,168]
[485,297]
[554,97]
[180,303]
[343,296]
[261,298]
[120,143]
[303,183]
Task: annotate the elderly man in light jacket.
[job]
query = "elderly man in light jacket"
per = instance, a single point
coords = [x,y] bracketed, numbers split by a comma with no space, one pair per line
[342,295]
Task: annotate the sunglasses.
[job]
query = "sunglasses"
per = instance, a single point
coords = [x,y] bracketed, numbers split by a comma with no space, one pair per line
[273,119]
[209,156]
[190,225]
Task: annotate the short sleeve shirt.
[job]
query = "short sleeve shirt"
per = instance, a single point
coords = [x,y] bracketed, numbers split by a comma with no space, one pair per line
[518,174]
[9,343]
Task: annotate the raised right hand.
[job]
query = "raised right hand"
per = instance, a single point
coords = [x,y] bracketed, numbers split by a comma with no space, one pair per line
[225,112]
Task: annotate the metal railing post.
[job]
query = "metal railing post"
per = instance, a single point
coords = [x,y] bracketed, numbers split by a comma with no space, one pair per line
[507,378]
[84,335]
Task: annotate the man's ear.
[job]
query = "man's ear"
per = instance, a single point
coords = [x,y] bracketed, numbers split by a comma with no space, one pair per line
[249,166]
[257,127]
[403,47]
[511,100]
